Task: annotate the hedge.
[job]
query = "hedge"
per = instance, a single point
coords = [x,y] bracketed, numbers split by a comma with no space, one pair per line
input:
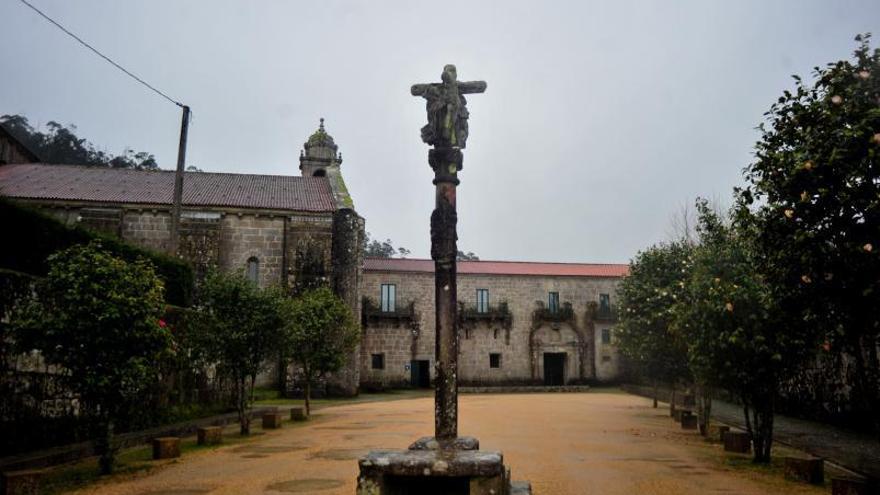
[33,236]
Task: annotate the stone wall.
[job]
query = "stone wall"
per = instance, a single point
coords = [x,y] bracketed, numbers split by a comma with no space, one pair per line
[521,346]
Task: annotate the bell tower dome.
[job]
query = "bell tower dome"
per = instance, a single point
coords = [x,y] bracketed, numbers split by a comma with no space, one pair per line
[319,155]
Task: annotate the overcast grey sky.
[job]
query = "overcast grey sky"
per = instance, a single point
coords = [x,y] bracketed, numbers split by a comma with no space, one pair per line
[601,119]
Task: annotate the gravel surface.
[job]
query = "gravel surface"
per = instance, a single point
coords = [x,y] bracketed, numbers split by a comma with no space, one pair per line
[578,443]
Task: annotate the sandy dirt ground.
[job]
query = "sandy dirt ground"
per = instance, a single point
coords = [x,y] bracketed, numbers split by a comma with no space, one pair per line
[602,443]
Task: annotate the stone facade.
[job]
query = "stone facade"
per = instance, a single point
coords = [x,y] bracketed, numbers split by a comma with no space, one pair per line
[294,232]
[518,325]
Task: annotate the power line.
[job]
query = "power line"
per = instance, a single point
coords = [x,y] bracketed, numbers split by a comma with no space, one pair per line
[90,47]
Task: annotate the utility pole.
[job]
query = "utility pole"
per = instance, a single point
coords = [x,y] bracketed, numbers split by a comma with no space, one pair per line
[178,184]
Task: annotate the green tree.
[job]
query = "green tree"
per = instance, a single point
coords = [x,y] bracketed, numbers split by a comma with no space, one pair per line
[321,334]
[97,318]
[60,144]
[241,329]
[737,336]
[813,197]
[645,334]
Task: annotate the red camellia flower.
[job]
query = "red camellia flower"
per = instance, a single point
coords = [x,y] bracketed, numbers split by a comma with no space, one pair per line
[162,323]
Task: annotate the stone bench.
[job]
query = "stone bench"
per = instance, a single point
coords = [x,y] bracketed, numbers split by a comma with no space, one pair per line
[209,435]
[272,420]
[298,414]
[688,421]
[809,470]
[737,441]
[166,448]
[26,482]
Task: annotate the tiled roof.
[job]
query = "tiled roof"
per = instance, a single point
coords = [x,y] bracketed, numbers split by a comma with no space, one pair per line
[110,185]
[501,267]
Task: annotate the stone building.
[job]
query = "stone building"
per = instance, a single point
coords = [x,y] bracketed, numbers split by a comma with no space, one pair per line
[520,323]
[282,230]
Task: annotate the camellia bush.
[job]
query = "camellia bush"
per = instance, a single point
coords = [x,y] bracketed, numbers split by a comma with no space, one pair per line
[645,334]
[813,198]
[320,334]
[96,322]
[238,325]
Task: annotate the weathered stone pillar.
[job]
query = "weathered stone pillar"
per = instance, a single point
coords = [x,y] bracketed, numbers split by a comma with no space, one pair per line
[446,164]
[345,275]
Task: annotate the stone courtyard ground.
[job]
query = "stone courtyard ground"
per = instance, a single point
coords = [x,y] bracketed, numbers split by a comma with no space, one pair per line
[603,442]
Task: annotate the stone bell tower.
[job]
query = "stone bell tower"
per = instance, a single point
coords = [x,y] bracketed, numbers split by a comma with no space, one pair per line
[319,155]
[320,158]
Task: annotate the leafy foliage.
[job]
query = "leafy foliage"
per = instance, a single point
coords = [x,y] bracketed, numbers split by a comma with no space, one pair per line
[39,235]
[320,333]
[240,329]
[814,200]
[645,333]
[375,249]
[60,144]
[738,339]
[97,318]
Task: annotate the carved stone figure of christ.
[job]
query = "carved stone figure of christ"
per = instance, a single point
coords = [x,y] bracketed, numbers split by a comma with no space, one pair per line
[447,109]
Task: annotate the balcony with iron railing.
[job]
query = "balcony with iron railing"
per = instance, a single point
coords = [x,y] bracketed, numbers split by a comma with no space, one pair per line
[490,314]
[553,314]
[373,315]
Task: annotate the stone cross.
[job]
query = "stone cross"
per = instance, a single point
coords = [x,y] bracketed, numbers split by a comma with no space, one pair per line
[447,109]
[447,132]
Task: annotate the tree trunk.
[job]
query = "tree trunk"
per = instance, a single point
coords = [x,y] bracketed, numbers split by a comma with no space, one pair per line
[762,414]
[672,401]
[704,409]
[655,394]
[104,446]
[308,396]
[244,419]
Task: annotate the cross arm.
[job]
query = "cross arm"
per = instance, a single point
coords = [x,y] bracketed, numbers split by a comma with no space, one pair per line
[472,87]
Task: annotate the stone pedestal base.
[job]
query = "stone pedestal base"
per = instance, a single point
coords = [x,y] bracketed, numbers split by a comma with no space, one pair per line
[429,468]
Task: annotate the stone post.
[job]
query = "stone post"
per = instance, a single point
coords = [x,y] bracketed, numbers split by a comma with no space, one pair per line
[446,164]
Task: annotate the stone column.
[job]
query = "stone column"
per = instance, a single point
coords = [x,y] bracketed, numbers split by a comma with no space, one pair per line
[344,280]
[446,164]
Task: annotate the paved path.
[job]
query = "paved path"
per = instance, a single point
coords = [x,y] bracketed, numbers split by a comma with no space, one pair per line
[859,452]
[579,443]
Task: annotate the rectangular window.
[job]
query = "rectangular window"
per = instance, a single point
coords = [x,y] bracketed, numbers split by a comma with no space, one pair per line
[604,303]
[482,300]
[389,298]
[494,360]
[378,361]
[606,335]
[553,302]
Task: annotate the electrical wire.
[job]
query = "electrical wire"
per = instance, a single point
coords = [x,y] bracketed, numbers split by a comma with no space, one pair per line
[93,49]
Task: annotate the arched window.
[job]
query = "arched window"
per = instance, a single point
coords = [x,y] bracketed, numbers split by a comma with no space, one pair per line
[253,270]
[320,173]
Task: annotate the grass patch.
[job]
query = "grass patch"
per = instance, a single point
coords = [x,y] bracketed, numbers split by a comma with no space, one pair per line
[363,397]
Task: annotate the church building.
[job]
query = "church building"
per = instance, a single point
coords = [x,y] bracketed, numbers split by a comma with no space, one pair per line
[277,230]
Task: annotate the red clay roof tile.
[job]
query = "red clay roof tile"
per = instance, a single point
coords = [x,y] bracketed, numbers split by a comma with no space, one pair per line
[501,267]
[109,185]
